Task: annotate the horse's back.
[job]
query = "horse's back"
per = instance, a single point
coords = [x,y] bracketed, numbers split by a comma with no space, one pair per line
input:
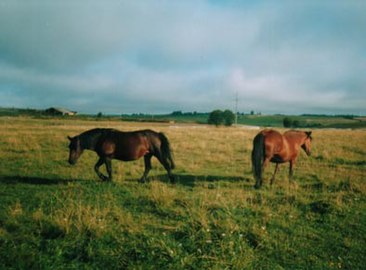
[115,133]
[125,139]
[272,136]
[273,142]
[293,134]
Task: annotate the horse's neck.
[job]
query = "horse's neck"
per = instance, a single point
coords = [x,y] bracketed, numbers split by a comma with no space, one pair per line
[89,141]
[293,140]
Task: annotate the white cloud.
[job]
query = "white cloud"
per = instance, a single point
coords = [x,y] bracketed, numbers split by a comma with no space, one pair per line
[137,56]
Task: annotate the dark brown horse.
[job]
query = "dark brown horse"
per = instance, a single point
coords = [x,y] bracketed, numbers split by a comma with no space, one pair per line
[114,144]
[271,146]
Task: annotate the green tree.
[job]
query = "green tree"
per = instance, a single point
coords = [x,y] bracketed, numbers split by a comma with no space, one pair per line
[177,113]
[216,117]
[287,122]
[229,117]
[295,123]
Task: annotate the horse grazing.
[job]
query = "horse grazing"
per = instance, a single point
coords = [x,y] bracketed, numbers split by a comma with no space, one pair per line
[271,146]
[126,146]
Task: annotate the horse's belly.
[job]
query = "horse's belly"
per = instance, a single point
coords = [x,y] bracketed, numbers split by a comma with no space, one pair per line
[108,148]
[277,159]
[125,158]
[131,155]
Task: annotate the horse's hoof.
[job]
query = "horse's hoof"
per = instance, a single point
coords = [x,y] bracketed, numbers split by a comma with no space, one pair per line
[172,180]
[142,181]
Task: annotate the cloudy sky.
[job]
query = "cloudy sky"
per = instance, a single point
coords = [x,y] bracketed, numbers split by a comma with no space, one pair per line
[165,55]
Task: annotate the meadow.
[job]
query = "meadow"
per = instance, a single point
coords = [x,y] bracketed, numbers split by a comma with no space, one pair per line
[57,216]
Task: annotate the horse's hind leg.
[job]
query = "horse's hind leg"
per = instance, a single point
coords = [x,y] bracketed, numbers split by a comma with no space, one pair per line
[96,169]
[147,160]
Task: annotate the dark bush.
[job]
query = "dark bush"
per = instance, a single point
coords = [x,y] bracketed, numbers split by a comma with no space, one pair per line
[287,122]
[216,118]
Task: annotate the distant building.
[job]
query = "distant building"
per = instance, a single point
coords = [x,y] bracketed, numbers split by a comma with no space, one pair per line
[59,111]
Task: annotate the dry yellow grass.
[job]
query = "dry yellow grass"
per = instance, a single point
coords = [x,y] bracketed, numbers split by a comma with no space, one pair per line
[199,150]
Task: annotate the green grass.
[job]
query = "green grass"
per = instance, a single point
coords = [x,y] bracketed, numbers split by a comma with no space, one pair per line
[55,216]
[305,121]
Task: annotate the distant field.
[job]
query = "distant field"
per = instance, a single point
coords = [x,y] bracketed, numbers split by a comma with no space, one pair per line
[303,121]
[55,216]
[312,121]
[318,121]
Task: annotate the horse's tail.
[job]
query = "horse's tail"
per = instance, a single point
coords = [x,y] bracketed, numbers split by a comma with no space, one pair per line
[257,158]
[166,151]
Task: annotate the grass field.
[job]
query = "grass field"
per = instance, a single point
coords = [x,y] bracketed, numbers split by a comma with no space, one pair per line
[55,216]
[318,121]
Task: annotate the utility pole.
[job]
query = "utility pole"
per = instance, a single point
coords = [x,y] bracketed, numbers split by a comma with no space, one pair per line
[236,108]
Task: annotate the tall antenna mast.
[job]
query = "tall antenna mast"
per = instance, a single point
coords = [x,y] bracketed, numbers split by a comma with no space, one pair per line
[236,108]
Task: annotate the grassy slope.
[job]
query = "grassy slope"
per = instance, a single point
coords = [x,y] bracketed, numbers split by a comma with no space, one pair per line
[56,216]
[264,120]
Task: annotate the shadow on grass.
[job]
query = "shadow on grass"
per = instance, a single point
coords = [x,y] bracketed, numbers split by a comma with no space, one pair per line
[32,180]
[313,183]
[190,180]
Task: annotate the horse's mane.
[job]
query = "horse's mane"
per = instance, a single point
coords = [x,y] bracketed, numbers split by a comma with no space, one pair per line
[89,138]
[293,132]
[93,131]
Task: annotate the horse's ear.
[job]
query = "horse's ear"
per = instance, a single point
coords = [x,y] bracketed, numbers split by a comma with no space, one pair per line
[308,133]
[70,139]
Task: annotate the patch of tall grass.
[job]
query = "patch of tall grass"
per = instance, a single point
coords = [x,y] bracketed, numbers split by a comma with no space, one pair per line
[53,215]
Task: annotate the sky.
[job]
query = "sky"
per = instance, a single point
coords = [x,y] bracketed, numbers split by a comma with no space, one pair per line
[160,56]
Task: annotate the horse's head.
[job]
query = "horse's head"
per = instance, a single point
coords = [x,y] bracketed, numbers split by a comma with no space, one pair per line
[75,149]
[307,143]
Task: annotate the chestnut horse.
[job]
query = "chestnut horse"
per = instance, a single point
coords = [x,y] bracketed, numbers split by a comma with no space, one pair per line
[126,146]
[271,146]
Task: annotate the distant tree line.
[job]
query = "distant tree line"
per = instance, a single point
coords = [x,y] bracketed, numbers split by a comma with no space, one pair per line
[180,113]
[346,116]
[294,123]
[288,123]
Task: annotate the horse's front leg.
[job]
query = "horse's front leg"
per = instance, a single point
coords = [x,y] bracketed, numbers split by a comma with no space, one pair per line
[291,171]
[147,160]
[274,174]
[167,166]
[108,165]
[96,169]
